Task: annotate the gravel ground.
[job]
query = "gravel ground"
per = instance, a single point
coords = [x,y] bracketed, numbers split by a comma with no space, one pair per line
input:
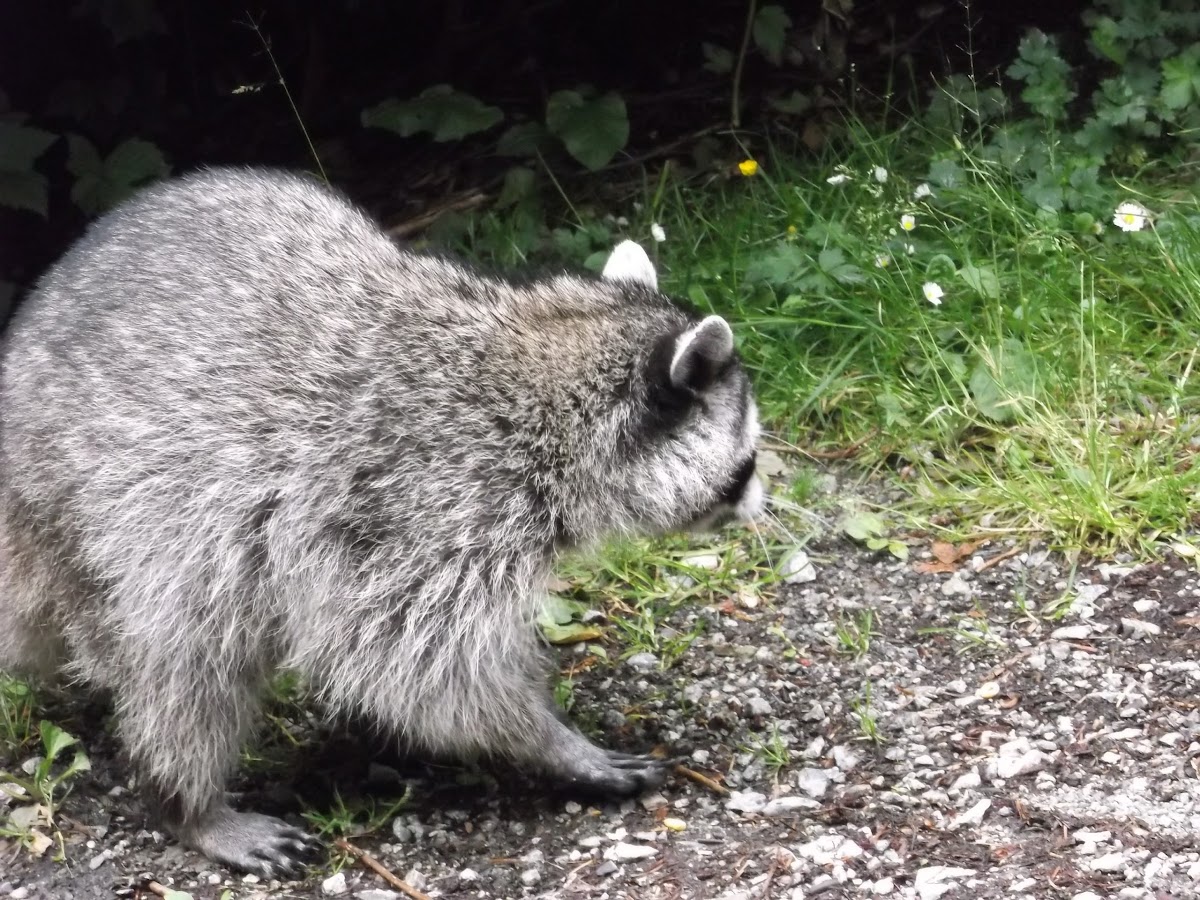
[1014,755]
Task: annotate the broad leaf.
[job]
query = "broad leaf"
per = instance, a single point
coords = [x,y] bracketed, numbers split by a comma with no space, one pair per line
[445,113]
[770,32]
[20,186]
[982,279]
[102,184]
[592,129]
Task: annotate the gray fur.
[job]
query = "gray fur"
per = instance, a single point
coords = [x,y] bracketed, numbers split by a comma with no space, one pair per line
[240,430]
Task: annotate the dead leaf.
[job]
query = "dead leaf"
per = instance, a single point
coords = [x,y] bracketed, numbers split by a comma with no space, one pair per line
[945,552]
[931,567]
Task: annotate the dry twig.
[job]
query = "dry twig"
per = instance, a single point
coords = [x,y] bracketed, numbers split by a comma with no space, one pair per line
[380,869]
[702,779]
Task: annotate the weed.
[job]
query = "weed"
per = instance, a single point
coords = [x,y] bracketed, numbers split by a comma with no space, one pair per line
[16,713]
[854,634]
[864,713]
[37,795]
[363,815]
[773,751]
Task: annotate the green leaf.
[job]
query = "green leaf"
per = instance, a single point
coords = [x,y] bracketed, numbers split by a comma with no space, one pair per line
[21,145]
[717,59]
[25,190]
[945,173]
[982,279]
[1181,80]
[102,184]
[524,139]
[779,266]
[794,104]
[863,526]
[592,129]
[20,186]
[80,763]
[445,113]
[519,183]
[770,31]
[54,739]
[1004,379]
[898,549]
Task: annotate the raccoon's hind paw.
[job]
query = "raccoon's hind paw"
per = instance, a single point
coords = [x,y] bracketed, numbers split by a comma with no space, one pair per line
[251,842]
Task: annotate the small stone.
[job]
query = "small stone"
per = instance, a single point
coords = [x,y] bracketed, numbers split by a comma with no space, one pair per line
[468,875]
[1109,862]
[821,884]
[531,877]
[416,879]
[19,894]
[672,824]
[591,842]
[622,851]
[845,758]
[798,568]
[883,887]
[966,781]
[703,561]
[1083,836]
[652,802]
[642,662]
[757,706]
[1140,628]
[606,868]
[957,686]
[972,816]
[814,782]
[828,849]
[955,585]
[1072,633]
[988,690]
[1010,767]
[781,806]
[1086,895]
[376,894]
[335,885]
[746,801]
[1145,605]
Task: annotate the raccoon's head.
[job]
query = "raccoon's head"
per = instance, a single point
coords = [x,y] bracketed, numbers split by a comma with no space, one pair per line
[683,428]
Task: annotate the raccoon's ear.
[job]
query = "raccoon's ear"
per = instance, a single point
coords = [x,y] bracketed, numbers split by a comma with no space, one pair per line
[629,262]
[701,353]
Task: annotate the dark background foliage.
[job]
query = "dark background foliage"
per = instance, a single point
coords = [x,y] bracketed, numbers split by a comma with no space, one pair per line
[195,80]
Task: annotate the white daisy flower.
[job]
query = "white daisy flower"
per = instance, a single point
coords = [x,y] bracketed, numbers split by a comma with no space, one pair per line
[882,260]
[1097,228]
[910,249]
[922,191]
[881,174]
[908,221]
[1131,216]
[839,178]
[656,232]
[933,292]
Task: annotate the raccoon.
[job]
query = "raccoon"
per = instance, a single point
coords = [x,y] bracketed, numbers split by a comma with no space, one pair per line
[242,431]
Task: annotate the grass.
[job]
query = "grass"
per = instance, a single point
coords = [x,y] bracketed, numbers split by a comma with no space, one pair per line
[1052,394]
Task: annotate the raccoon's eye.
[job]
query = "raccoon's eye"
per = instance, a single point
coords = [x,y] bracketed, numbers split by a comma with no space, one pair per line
[732,492]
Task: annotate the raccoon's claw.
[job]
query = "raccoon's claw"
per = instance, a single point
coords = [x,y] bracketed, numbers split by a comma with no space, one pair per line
[254,843]
[618,774]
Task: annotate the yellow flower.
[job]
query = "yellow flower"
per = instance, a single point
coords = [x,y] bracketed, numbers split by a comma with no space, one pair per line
[791,230]
[908,222]
[748,167]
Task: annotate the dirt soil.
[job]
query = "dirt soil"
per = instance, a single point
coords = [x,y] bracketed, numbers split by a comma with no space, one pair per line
[1014,755]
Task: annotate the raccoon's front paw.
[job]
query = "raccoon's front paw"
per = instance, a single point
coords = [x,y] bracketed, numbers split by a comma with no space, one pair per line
[616,774]
[251,842]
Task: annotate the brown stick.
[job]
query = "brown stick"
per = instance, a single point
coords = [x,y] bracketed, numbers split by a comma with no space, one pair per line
[427,218]
[380,869]
[999,558]
[702,779]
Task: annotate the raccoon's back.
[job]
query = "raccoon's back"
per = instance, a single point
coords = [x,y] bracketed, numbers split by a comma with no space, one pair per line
[217,331]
